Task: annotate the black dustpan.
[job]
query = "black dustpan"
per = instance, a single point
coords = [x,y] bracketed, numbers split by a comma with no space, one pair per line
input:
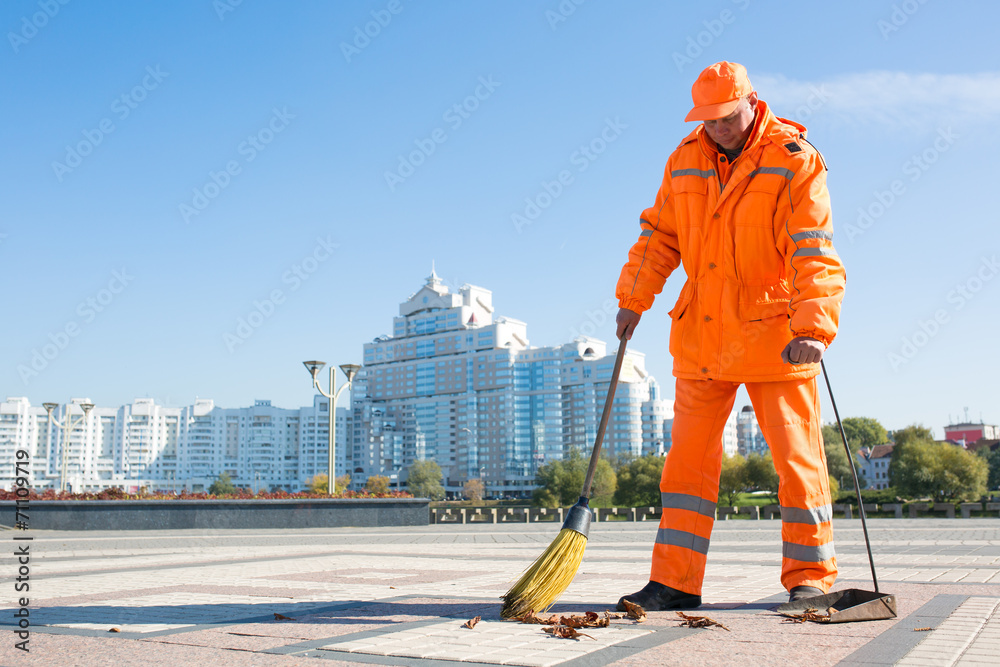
[851,604]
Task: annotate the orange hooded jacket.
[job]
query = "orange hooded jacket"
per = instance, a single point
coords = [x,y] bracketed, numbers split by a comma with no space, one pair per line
[757,249]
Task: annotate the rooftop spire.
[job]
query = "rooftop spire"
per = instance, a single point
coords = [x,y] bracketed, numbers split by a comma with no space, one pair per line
[433,279]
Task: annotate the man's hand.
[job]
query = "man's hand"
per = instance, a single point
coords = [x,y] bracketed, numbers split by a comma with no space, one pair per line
[802,350]
[627,320]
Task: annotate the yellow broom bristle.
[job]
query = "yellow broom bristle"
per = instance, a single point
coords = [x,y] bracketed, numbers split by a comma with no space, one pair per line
[542,583]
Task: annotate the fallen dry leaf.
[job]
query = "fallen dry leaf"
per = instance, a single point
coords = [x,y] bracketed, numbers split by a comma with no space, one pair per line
[281,617]
[610,615]
[808,615]
[700,622]
[922,629]
[392,587]
[565,632]
[114,630]
[531,617]
[634,611]
[471,623]
[587,620]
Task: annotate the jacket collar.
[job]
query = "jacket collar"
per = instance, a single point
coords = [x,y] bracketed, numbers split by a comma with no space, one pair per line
[768,128]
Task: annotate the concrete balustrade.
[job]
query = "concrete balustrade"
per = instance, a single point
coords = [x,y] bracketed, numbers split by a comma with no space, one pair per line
[722,512]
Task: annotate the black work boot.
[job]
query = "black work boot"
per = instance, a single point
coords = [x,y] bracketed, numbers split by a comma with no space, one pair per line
[657,597]
[802,592]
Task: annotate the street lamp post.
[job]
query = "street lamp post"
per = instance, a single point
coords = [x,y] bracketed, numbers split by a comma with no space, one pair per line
[68,428]
[350,370]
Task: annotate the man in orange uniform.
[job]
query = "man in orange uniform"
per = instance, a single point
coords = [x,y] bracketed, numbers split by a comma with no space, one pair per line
[744,206]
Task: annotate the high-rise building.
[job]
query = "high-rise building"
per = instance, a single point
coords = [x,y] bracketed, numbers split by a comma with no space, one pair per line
[148,445]
[461,386]
[750,437]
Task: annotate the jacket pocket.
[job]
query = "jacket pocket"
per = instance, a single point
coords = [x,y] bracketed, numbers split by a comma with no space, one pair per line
[759,302]
[683,301]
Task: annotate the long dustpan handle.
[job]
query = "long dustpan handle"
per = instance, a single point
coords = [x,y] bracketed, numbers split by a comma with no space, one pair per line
[596,455]
[854,472]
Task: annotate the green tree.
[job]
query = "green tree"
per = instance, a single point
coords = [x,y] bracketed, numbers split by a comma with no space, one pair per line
[992,459]
[559,483]
[922,468]
[222,486]
[473,489]
[733,479]
[836,457]
[916,432]
[377,484]
[424,480]
[864,432]
[760,473]
[639,482]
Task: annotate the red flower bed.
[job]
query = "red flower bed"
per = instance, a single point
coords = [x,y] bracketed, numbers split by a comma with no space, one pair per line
[242,494]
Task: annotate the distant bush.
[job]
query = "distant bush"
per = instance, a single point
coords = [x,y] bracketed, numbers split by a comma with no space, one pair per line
[879,496]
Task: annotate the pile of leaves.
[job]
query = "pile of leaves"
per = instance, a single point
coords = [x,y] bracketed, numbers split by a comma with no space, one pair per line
[813,615]
[116,493]
[568,627]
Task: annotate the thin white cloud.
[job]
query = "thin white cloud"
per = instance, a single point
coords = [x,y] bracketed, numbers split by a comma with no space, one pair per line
[895,99]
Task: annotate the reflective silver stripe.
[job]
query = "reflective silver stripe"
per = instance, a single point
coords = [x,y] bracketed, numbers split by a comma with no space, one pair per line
[780,171]
[808,554]
[646,232]
[815,252]
[704,173]
[683,501]
[813,517]
[815,234]
[680,538]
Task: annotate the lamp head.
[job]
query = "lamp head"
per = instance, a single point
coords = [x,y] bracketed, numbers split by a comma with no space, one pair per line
[350,370]
[314,367]
[87,407]
[49,407]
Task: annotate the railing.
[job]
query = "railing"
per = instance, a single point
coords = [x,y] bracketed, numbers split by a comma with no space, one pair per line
[466,515]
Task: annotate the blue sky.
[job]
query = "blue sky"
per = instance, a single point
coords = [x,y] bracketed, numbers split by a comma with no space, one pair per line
[170,167]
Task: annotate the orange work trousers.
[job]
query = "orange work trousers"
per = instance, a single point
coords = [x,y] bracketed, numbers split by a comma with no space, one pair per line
[788,413]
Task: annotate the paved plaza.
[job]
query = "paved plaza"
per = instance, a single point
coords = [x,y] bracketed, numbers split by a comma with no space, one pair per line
[399,596]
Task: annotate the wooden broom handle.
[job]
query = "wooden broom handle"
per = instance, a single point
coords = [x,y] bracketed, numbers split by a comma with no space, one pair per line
[596,455]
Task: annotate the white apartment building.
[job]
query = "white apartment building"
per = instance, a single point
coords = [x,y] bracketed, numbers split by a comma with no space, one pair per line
[461,386]
[152,446]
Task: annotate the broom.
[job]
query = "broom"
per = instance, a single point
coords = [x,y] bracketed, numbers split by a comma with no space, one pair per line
[542,583]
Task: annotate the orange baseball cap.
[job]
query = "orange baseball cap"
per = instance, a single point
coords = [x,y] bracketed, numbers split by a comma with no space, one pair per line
[718,91]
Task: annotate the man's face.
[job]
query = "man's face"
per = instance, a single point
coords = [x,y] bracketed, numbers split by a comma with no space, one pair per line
[733,131]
